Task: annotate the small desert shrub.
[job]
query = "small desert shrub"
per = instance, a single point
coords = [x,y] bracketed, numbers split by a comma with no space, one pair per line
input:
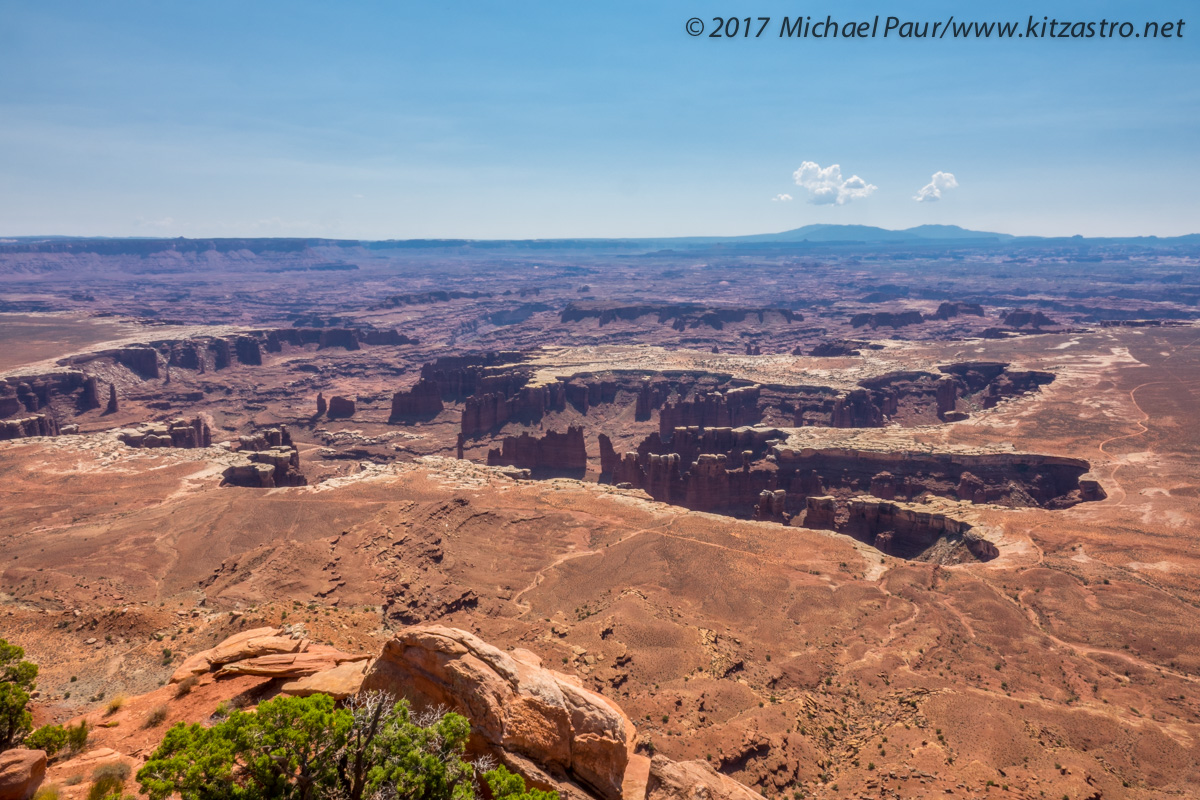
[113,769]
[77,737]
[74,780]
[106,787]
[47,793]
[114,705]
[156,717]
[108,780]
[50,738]
[186,685]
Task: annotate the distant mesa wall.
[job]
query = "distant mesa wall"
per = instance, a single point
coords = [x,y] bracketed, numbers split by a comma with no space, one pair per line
[957,309]
[681,316]
[559,453]
[428,298]
[835,348]
[1022,318]
[887,319]
[203,353]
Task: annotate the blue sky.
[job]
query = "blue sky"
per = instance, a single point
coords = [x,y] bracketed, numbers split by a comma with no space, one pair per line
[554,119]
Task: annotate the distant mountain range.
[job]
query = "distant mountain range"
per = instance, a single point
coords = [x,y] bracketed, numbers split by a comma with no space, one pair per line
[867,233]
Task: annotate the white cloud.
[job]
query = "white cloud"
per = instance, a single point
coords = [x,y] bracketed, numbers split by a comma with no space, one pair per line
[932,191]
[828,187]
[782,198]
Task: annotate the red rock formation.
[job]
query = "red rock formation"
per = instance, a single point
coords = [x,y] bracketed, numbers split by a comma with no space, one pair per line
[553,452]
[142,360]
[338,337]
[35,425]
[422,401]
[540,723]
[112,406]
[266,469]
[730,409]
[748,472]
[772,505]
[21,773]
[222,353]
[608,457]
[91,394]
[322,406]
[176,433]
[820,513]
[341,407]
[883,486]
[947,396]
[856,410]
[248,350]
[268,459]
[386,337]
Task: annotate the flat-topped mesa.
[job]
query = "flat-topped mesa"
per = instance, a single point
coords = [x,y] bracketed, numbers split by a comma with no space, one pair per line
[887,319]
[950,310]
[186,434]
[557,453]
[1022,318]
[681,316]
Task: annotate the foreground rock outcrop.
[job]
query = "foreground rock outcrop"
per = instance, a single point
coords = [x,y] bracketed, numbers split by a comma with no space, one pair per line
[21,772]
[543,723]
[265,652]
[692,780]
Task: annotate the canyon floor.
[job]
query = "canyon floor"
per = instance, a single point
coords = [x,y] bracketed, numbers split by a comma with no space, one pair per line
[947,548]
